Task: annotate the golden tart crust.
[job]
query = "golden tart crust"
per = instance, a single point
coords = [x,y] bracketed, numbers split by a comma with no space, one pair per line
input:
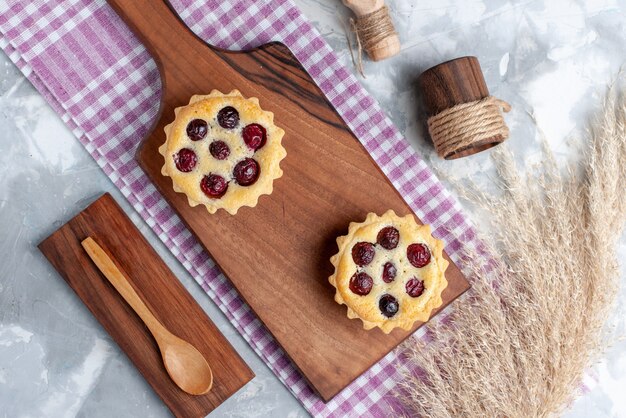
[368,307]
[268,156]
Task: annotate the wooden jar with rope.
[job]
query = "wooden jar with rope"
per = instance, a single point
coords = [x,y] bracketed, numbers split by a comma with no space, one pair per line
[463,118]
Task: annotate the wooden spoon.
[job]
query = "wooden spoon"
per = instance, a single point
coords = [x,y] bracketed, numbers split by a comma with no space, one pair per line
[184,363]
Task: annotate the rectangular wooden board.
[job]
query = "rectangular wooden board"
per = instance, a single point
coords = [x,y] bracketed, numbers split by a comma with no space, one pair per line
[277,253]
[164,295]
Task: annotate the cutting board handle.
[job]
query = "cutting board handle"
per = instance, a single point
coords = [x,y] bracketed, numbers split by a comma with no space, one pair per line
[156,24]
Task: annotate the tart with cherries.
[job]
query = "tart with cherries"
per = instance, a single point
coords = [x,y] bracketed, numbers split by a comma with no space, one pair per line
[223,151]
[389,271]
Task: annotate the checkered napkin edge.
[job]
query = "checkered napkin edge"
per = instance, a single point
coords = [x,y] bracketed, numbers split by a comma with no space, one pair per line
[102,82]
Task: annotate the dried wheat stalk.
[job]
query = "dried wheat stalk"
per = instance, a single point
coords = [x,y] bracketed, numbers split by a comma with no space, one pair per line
[519,343]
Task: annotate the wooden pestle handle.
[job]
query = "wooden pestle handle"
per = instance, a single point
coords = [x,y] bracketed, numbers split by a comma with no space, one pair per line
[124,288]
[384,48]
[363,7]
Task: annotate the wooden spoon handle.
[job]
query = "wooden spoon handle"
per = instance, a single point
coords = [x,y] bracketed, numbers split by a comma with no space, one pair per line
[124,288]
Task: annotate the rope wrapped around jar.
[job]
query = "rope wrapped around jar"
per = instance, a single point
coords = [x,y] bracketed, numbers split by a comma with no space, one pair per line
[463,117]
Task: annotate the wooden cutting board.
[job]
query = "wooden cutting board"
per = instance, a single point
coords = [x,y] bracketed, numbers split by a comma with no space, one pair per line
[277,254]
[166,297]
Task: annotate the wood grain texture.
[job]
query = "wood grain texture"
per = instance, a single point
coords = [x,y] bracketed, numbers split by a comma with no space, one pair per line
[277,254]
[187,367]
[161,291]
[452,83]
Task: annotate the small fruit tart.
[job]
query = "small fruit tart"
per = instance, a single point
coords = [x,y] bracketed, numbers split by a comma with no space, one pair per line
[223,151]
[389,271]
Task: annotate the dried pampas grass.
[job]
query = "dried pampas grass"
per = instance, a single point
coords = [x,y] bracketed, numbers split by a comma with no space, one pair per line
[521,340]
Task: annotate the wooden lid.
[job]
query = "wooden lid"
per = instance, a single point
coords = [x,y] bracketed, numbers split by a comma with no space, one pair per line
[452,83]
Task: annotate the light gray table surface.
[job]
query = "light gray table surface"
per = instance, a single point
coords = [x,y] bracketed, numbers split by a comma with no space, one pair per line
[552,58]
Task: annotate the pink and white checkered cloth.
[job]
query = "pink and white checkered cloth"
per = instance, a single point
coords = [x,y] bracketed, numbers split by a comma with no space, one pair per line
[105,86]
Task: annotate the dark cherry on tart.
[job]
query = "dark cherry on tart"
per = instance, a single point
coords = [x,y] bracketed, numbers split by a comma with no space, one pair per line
[415,287]
[254,135]
[214,185]
[246,172]
[418,255]
[389,272]
[361,283]
[388,237]
[197,129]
[363,253]
[185,160]
[388,305]
[228,117]
[394,263]
[219,150]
